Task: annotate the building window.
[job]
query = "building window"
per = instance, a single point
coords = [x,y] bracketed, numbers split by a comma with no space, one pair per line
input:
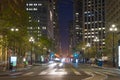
[39,4]
[38,27]
[27,4]
[77,28]
[27,9]
[38,20]
[35,4]
[44,28]
[30,20]
[30,4]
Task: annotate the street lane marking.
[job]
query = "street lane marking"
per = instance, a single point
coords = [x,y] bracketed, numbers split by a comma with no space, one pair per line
[16,73]
[76,72]
[28,73]
[53,72]
[43,73]
[88,73]
[105,76]
[108,73]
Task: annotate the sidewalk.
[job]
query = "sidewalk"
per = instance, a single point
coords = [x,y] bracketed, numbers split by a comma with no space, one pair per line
[8,72]
[107,67]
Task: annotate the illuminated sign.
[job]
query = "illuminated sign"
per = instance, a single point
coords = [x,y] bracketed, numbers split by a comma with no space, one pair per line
[13,60]
[119,56]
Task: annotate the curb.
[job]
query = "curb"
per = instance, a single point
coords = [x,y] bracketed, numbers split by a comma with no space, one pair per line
[7,73]
[107,68]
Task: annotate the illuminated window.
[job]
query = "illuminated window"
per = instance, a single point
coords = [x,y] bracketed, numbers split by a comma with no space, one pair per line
[85,29]
[44,28]
[77,13]
[103,42]
[85,37]
[39,4]
[103,28]
[93,33]
[30,4]
[99,28]
[30,20]
[93,36]
[89,5]
[38,20]
[31,28]
[27,4]
[53,7]
[53,22]
[30,9]
[92,29]
[77,20]
[38,27]
[35,9]
[77,28]
[103,39]
[35,4]
[27,9]
[29,17]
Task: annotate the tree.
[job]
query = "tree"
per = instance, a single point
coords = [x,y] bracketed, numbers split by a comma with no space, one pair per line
[109,44]
[13,14]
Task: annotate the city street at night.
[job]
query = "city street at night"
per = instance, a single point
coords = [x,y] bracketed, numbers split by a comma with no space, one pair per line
[59,39]
[71,71]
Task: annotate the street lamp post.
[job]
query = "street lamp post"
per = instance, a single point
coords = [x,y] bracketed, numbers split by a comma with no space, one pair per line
[31,40]
[96,40]
[14,30]
[83,49]
[88,45]
[113,29]
[44,50]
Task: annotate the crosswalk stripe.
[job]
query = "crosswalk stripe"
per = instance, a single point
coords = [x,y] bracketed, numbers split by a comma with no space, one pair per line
[28,73]
[16,73]
[108,73]
[43,73]
[53,72]
[76,72]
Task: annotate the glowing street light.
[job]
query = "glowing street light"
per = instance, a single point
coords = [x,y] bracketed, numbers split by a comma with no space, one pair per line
[88,46]
[96,40]
[14,30]
[32,41]
[113,29]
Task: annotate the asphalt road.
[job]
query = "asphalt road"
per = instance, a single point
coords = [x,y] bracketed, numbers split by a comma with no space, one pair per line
[66,72]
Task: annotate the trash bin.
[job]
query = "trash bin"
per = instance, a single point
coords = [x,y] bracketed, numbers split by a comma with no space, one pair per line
[100,62]
[11,66]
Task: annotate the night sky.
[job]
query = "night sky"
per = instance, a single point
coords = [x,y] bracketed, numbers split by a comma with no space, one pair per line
[65,13]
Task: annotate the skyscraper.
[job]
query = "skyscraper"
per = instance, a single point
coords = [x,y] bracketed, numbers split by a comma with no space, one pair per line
[112,12]
[89,19]
[77,22]
[41,13]
[44,13]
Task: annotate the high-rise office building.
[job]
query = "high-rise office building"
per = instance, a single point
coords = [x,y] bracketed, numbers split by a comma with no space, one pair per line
[77,22]
[112,12]
[41,13]
[44,13]
[56,26]
[89,19]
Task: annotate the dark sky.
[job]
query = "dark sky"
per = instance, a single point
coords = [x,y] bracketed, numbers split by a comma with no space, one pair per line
[65,13]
